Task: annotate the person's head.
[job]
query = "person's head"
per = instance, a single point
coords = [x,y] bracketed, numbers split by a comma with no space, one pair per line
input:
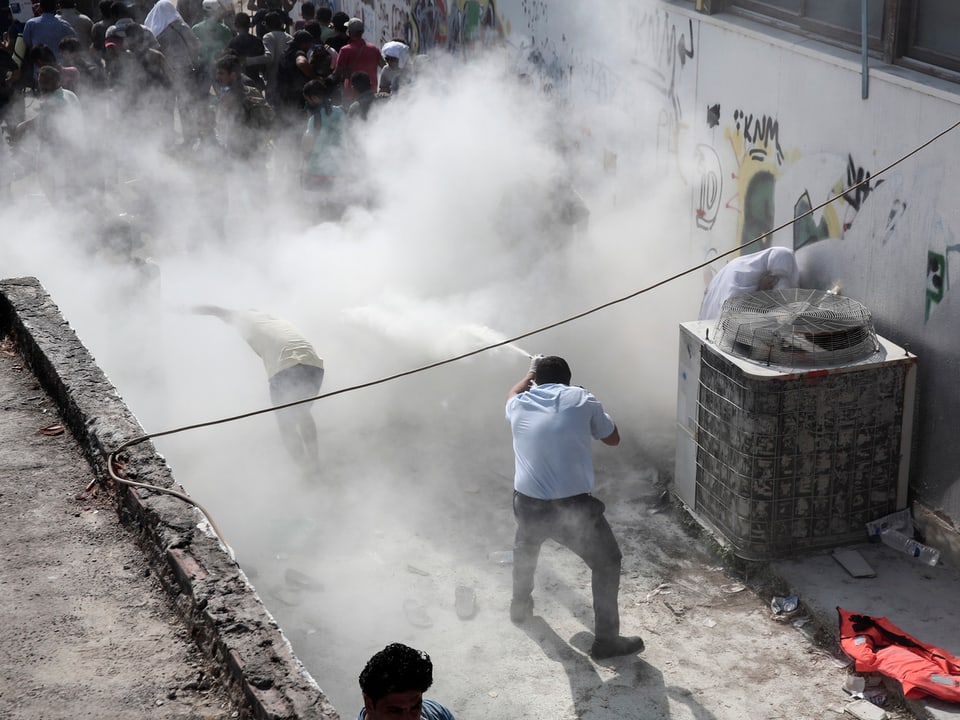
[360,82]
[303,39]
[553,369]
[134,39]
[48,6]
[308,10]
[41,56]
[213,9]
[68,4]
[781,271]
[354,27]
[229,69]
[315,29]
[317,91]
[394,681]
[241,22]
[119,11]
[324,15]
[104,7]
[273,20]
[396,53]
[69,47]
[48,79]
[113,42]
[340,20]
[313,91]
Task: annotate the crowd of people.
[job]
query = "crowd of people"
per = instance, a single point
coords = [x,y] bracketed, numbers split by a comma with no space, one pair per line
[195,75]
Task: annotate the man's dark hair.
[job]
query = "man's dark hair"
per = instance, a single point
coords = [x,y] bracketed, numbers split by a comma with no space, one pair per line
[396,668]
[314,28]
[274,20]
[340,21]
[41,55]
[308,10]
[360,82]
[302,39]
[553,369]
[315,88]
[104,7]
[68,4]
[70,43]
[241,21]
[230,62]
[48,6]
[119,10]
[324,15]
[49,72]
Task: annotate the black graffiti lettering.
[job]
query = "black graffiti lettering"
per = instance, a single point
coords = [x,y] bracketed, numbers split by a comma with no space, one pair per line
[855,176]
[760,131]
[665,51]
[713,115]
[763,130]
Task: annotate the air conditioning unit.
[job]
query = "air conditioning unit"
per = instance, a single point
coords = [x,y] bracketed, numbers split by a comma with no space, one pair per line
[794,422]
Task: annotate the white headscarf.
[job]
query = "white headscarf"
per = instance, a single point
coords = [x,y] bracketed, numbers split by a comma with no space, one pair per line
[160,16]
[742,275]
[396,49]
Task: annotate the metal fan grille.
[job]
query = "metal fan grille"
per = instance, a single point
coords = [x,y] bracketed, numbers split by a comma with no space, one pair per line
[796,327]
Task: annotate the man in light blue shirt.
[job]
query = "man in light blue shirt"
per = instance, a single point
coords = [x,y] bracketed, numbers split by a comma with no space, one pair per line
[553,425]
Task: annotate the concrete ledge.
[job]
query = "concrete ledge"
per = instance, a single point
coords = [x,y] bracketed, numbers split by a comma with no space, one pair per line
[226,618]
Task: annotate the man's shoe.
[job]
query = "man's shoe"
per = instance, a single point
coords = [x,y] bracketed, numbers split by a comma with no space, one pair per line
[521,609]
[616,646]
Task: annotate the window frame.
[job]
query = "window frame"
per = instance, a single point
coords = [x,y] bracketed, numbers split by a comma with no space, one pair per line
[895,44]
[812,26]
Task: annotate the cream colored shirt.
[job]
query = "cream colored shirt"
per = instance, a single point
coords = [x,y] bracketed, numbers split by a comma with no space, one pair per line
[278,343]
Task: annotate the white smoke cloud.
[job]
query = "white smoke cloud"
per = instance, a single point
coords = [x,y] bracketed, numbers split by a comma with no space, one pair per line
[472,179]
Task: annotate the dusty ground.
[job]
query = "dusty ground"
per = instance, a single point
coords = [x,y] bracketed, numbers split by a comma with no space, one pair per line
[86,630]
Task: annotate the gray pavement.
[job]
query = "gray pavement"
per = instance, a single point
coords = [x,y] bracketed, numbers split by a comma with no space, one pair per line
[919,599]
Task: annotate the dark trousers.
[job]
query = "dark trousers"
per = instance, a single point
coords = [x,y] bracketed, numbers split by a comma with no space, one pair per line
[578,524]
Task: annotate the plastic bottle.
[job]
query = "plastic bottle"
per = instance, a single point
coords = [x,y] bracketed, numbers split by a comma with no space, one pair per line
[905,544]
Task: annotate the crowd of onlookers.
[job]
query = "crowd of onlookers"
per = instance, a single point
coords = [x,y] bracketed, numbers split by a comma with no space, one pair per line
[194,74]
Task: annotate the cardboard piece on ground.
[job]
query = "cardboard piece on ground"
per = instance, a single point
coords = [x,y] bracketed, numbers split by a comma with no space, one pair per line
[853,562]
[865,710]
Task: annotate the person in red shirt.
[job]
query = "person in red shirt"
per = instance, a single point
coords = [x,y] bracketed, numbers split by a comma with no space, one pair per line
[356,56]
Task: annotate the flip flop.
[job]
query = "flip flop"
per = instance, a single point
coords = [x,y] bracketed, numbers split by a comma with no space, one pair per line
[466,602]
[416,613]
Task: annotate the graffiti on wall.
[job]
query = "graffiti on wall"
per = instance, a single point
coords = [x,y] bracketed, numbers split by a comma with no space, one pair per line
[471,23]
[806,230]
[755,140]
[938,278]
[428,19]
[710,185]
[426,25]
[663,49]
[838,217]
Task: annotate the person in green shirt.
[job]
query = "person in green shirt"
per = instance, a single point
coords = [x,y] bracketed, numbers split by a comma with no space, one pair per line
[214,36]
